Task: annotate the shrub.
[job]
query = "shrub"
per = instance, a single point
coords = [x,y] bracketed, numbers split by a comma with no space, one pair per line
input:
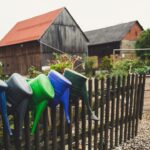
[62,61]
[123,67]
[33,72]
[89,66]
[106,63]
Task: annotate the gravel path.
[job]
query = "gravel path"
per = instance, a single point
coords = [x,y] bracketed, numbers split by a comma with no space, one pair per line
[142,141]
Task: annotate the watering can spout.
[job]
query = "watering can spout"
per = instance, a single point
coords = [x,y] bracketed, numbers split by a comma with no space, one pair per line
[94,117]
[66,104]
[3,110]
[38,112]
[3,107]
[85,98]
[21,111]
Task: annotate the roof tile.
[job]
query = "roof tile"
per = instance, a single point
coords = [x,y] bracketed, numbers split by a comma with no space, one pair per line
[30,29]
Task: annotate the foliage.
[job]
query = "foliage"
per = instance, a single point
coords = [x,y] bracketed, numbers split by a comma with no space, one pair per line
[102,74]
[106,63]
[33,72]
[123,67]
[89,66]
[126,66]
[62,61]
[143,42]
[3,76]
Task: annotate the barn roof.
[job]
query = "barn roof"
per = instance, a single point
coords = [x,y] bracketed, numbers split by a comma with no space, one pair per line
[110,34]
[31,29]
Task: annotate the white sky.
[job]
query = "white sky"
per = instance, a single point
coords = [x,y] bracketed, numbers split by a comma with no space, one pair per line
[89,14]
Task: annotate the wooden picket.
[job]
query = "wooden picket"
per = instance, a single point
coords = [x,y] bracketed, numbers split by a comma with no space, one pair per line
[116,101]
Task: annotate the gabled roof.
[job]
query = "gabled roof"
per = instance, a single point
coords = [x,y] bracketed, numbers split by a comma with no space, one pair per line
[31,29]
[110,34]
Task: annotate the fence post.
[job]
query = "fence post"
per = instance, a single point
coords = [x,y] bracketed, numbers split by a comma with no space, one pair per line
[107,112]
[122,108]
[90,121]
[77,124]
[27,131]
[134,105]
[96,113]
[127,107]
[62,129]
[131,105]
[102,115]
[45,123]
[138,104]
[117,110]
[54,129]
[70,128]
[83,126]
[113,90]
[16,136]
[142,96]
[6,139]
[37,138]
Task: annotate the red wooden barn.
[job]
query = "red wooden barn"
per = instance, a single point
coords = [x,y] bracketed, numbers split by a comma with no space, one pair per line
[121,36]
[32,41]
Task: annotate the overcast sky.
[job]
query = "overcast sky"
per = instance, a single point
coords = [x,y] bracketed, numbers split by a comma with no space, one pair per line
[89,14]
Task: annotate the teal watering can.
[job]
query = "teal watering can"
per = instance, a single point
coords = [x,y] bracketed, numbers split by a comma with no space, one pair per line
[78,88]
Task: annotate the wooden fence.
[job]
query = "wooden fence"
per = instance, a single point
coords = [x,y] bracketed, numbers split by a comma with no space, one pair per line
[118,103]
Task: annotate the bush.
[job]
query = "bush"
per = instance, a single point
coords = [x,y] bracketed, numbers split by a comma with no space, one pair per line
[123,67]
[62,61]
[106,63]
[126,66]
[89,66]
[33,72]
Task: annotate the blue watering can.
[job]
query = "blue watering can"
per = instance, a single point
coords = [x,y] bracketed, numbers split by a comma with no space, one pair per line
[3,107]
[62,91]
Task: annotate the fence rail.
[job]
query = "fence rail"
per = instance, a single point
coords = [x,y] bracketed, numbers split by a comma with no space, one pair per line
[118,103]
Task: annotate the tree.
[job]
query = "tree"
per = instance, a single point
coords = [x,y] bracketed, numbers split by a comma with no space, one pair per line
[143,42]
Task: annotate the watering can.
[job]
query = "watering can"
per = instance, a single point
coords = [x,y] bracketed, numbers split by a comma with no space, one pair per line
[62,91]
[18,94]
[3,107]
[43,92]
[78,88]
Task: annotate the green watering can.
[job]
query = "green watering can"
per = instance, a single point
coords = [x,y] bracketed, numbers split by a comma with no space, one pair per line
[78,88]
[42,93]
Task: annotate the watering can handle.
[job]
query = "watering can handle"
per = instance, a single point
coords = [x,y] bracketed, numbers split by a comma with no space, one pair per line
[38,112]
[3,108]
